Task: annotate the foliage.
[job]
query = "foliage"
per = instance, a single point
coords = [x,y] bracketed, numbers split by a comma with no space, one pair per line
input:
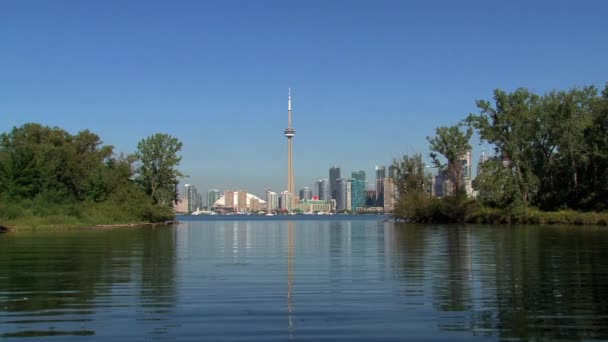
[554,147]
[157,174]
[453,144]
[50,177]
[411,184]
[551,159]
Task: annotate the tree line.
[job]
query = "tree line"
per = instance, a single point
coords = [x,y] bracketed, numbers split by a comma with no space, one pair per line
[46,173]
[550,154]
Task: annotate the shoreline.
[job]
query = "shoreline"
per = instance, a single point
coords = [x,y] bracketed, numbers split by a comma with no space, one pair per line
[12,229]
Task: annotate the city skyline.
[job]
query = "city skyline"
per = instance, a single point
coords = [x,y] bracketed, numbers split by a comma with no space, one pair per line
[373,79]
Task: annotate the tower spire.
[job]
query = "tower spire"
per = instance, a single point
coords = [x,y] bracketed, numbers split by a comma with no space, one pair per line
[289,134]
[289,108]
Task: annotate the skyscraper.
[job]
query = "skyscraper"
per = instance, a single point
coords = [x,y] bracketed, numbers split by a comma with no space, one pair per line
[286,201]
[212,196]
[323,189]
[229,201]
[305,193]
[334,175]
[390,195]
[272,198]
[191,197]
[241,204]
[359,175]
[290,133]
[344,192]
[380,175]
[357,194]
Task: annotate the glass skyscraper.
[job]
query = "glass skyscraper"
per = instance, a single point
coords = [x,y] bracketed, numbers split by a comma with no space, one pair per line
[305,193]
[357,194]
[212,196]
[334,175]
[323,189]
[359,175]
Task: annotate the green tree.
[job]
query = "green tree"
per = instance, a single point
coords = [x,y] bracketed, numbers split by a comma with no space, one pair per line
[453,144]
[158,174]
[411,184]
[511,126]
[496,185]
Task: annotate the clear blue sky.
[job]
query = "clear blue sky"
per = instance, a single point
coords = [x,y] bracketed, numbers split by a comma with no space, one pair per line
[371,79]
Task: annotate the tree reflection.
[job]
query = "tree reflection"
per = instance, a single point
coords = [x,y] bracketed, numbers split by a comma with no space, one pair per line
[64,276]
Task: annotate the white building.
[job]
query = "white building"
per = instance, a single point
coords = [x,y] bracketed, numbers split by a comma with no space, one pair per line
[234,200]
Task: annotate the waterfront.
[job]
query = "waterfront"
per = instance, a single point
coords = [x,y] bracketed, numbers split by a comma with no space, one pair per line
[305,278]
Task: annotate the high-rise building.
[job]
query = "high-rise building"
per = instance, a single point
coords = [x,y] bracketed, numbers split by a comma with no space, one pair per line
[334,175]
[357,194]
[380,172]
[229,201]
[370,198]
[390,195]
[380,175]
[241,204]
[290,133]
[467,172]
[344,194]
[305,193]
[191,197]
[272,198]
[359,175]
[323,189]
[286,202]
[212,196]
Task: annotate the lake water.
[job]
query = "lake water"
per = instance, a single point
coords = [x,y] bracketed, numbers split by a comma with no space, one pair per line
[305,278]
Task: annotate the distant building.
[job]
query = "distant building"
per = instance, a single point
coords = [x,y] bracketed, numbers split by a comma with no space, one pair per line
[323,189]
[242,204]
[311,206]
[286,201]
[359,175]
[237,201]
[380,175]
[370,198]
[212,196]
[334,175]
[305,193]
[191,197]
[254,205]
[344,194]
[272,198]
[390,195]
[467,172]
[229,201]
[357,194]
[181,206]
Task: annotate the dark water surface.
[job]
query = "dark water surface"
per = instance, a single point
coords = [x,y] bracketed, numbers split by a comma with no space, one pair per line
[248,278]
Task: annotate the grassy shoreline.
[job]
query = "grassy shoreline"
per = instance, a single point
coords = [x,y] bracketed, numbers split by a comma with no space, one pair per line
[535,216]
[51,223]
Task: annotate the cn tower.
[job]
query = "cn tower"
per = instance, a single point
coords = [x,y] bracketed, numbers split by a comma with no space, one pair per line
[290,133]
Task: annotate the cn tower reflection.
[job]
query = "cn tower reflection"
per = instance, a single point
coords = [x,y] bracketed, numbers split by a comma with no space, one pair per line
[290,251]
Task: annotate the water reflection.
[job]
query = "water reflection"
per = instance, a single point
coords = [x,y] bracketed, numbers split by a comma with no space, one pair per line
[290,271]
[50,280]
[521,282]
[307,280]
